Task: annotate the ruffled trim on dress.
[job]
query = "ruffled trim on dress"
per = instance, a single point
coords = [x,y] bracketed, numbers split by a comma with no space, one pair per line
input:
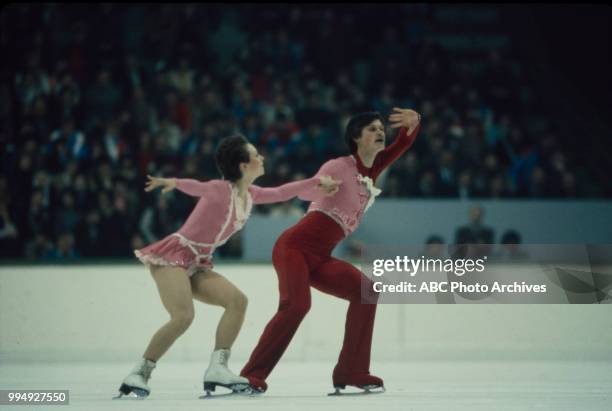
[149,259]
[180,251]
[373,191]
[242,214]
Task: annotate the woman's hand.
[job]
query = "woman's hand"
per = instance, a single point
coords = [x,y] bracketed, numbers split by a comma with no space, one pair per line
[328,185]
[168,184]
[404,118]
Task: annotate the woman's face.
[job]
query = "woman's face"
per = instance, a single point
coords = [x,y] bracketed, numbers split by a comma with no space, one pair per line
[255,167]
[372,138]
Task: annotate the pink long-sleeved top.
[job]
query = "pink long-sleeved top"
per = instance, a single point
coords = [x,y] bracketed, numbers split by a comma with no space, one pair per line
[219,213]
[357,191]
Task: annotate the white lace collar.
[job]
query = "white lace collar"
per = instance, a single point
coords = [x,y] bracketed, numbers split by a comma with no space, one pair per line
[373,191]
[241,211]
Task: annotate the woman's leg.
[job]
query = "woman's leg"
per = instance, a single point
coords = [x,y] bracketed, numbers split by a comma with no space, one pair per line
[175,292]
[212,288]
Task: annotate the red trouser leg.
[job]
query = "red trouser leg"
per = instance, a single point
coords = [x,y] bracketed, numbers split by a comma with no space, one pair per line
[294,289]
[343,280]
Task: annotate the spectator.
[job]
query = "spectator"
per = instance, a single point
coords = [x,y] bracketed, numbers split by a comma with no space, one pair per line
[103,99]
[9,245]
[104,113]
[434,247]
[74,139]
[476,232]
[65,249]
[156,221]
[88,236]
[39,248]
[67,216]
[510,249]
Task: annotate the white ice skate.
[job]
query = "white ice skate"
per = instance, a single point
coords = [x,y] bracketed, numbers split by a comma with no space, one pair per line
[218,374]
[136,382]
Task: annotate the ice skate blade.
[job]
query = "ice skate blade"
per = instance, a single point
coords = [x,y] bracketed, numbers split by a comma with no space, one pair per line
[134,394]
[131,397]
[131,393]
[366,390]
[233,394]
[235,390]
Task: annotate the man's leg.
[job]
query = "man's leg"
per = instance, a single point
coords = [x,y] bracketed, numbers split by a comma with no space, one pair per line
[294,289]
[343,280]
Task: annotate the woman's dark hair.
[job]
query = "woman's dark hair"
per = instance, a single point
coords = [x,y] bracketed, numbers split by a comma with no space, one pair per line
[355,127]
[232,151]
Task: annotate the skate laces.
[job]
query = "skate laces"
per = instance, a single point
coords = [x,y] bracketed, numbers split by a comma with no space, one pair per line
[146,371]
[223,357]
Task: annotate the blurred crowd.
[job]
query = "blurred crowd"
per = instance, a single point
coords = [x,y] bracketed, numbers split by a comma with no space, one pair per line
[99,96]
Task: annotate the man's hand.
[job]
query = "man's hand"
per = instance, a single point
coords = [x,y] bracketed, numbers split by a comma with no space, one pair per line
[328,185]
[168,184]
[404,118]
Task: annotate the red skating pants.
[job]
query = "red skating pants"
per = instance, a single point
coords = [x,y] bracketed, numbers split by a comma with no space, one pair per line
[302,258]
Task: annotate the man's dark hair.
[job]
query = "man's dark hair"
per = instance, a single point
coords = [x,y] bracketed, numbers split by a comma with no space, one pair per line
[355,127]
[231,152]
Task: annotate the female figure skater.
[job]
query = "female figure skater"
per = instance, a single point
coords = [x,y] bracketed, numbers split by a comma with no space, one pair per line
[302,254]
[181,263]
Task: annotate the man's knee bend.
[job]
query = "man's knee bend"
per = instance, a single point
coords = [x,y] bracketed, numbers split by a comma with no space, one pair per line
[297,309]
[367,293]
[300,309]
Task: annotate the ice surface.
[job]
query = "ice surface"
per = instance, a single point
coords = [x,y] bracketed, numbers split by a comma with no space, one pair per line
[293,385]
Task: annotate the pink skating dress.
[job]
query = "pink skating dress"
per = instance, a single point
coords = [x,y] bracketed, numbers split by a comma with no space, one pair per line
[218,214]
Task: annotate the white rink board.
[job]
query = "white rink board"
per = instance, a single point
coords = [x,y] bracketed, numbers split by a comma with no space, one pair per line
[109,312]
